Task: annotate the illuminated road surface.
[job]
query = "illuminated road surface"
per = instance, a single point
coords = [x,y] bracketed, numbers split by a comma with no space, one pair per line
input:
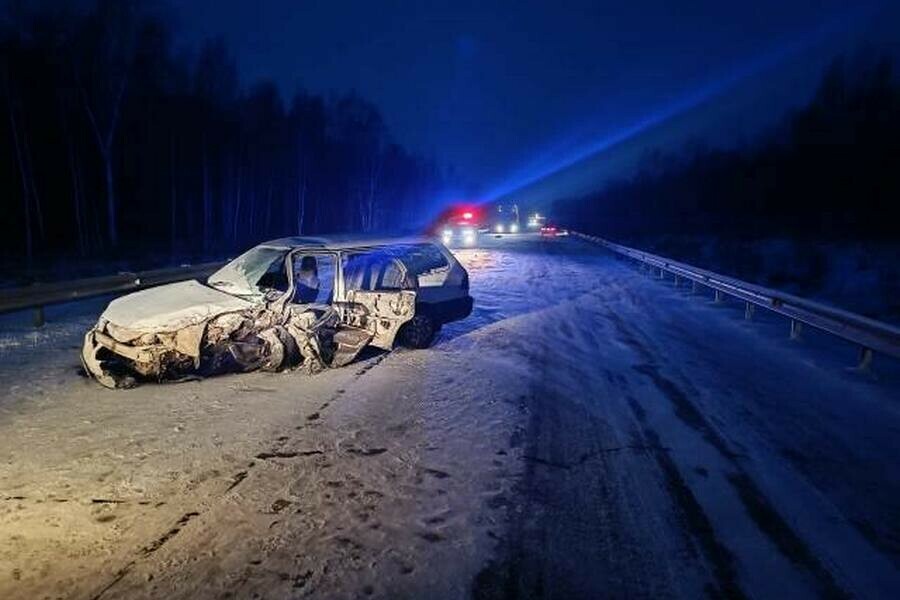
[589,432]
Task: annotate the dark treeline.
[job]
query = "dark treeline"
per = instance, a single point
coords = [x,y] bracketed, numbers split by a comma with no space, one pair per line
[113,143]
[831,172]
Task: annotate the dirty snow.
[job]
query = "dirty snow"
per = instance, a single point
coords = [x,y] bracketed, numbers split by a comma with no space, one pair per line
[588,432]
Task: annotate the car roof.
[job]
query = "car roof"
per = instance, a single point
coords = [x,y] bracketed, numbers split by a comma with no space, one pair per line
[341,242]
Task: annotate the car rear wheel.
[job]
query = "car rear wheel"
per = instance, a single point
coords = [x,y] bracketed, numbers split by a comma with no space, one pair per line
[418,332]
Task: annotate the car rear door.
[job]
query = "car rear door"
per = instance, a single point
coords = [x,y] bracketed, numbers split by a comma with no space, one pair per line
[381,313]
[372,285]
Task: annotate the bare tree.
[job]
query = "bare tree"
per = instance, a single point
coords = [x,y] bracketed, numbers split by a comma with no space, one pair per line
[206,197]
[75,174]
[368,191]
[108,48]
[173,196]
[104,137]
[302,184]
[20,161]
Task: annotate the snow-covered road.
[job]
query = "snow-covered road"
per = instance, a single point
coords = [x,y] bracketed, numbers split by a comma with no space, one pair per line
[588,432]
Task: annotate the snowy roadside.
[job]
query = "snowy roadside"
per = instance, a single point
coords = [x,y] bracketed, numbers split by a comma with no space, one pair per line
[336,484]
[388,476]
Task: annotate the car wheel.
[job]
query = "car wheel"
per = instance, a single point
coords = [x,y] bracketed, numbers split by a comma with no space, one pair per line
[418,332]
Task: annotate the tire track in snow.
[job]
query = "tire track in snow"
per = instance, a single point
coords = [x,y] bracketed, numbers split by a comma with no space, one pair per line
[579,530]
[694,517]
[757,506]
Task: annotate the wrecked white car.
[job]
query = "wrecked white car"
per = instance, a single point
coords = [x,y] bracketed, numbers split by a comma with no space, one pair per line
[295,302]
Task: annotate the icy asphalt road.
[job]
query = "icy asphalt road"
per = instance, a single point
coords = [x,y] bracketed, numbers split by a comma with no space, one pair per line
[589,432]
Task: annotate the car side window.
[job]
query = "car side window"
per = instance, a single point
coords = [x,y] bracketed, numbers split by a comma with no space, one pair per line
[426,263]
[423,258]
[313,278]
[374,271]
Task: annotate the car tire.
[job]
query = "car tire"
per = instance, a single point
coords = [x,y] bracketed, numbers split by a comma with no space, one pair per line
[418,332]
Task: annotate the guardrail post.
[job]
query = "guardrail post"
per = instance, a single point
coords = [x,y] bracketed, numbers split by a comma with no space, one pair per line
[796,329]
[662,274]
[718,299]
[694,287]
[38,316]
[749,309]
[677,280]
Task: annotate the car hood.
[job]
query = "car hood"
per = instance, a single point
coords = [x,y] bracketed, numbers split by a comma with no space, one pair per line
[171,307]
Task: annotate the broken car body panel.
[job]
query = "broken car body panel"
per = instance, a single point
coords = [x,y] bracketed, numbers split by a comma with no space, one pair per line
[249,317]
[382,314]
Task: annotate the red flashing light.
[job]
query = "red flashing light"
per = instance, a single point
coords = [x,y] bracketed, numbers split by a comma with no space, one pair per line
[467,215]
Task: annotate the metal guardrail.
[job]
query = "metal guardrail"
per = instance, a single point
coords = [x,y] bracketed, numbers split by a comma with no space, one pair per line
[870,335]
[39,295]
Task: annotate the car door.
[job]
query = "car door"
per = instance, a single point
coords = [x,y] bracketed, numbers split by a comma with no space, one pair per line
[372,286]
[384,313]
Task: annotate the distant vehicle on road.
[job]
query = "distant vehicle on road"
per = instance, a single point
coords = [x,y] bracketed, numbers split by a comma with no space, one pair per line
[506,227]
[552,231]
[460,226]
[536,221]
[459,235]
[506,219]
[298,301]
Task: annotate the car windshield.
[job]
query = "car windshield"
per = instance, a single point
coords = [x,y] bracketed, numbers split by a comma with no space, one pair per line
[243,276]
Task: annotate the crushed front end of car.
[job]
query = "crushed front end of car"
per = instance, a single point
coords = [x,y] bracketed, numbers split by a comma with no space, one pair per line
[249,340]
[267,337]
[236,324]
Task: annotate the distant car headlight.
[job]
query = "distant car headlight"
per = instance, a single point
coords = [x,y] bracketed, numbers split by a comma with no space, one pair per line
[468,236]
[514,228]
[498,227]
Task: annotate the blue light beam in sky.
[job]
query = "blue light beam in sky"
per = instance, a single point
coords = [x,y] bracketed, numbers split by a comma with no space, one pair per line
[710,91]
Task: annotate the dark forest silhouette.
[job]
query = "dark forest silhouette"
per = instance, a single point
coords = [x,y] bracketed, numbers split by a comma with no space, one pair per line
[832,172]
[113,144]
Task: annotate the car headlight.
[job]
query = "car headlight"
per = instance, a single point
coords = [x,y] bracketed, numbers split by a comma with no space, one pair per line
[514,228]
[498,228]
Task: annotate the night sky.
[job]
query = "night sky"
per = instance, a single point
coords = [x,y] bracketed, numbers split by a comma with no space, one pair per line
[510,92]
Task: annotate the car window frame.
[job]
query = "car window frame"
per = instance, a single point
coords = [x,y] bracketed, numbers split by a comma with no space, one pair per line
[289,265]
[250,291]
